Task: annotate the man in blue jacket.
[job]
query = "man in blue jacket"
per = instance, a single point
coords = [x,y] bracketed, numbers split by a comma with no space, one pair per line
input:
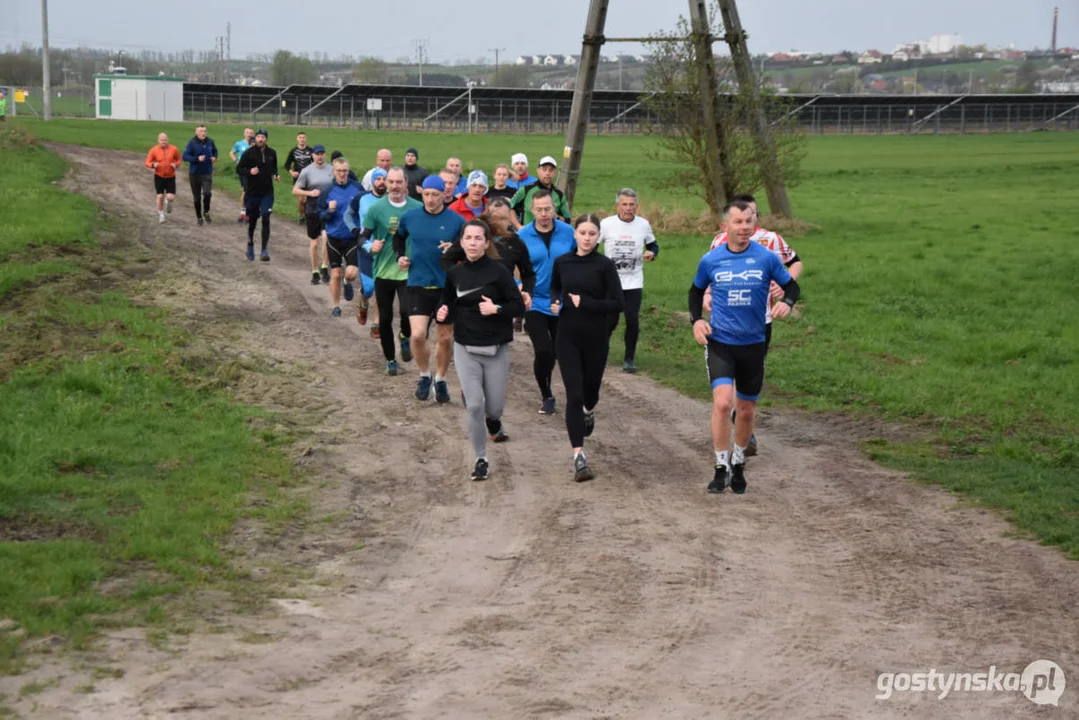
[200,155]
[546,239]
[342,249]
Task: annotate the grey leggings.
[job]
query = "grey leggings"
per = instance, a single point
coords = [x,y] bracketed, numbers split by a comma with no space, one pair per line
[483,381]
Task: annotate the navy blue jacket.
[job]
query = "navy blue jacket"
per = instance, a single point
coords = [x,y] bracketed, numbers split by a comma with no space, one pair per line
[334,220]
[196,147]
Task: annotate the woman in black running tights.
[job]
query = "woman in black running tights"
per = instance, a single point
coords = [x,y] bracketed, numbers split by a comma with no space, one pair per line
[585,291]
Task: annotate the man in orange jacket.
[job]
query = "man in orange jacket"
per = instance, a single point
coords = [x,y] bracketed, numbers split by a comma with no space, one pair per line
[163,159]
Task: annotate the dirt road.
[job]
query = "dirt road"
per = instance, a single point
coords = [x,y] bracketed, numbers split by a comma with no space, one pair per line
[634,596]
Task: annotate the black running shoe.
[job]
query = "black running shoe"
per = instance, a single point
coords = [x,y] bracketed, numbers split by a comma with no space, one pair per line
[480,471]
[719,482]
[751,449]
[738,478]
[315,278]
[207,216]
[589,423]
[495,431]
[548,407]
[200,222]
[325,271]
[581,471]
[442,392]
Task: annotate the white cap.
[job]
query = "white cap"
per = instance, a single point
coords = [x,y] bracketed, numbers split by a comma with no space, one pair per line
[519,157]
[547,160]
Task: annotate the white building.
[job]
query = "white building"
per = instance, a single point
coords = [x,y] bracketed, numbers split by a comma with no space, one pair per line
[944,44]
[139,97]
[552,60]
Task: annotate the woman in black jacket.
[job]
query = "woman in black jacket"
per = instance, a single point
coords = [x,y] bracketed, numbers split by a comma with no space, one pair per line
[585,291]
[484,300]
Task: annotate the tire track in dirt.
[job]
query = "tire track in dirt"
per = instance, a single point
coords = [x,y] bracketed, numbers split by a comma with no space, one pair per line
[636,596]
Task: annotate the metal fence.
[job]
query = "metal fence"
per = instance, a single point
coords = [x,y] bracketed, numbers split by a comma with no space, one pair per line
[524,111]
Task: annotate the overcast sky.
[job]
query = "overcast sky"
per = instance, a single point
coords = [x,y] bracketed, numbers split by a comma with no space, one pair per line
[468,28]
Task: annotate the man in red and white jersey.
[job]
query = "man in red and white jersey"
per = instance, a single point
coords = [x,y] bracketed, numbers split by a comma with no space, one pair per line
[774,242]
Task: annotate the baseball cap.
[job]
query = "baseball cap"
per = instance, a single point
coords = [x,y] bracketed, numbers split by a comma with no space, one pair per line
[262,131]
[477,177]
[548,160]
[434,182]
[378,173]
[318,149]
[519,157]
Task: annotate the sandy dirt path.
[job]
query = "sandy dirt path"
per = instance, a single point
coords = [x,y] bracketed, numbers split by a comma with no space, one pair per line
[634,596]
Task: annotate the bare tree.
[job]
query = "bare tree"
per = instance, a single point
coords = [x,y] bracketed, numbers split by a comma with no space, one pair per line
[672,94]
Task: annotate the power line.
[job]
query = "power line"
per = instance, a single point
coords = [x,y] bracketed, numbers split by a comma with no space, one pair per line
[420,44]
[496,51]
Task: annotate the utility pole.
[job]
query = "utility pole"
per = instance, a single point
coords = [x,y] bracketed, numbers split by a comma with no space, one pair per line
[496,51]
[45,84]
[421,50]
[709,92]
[582,98]
[771,173]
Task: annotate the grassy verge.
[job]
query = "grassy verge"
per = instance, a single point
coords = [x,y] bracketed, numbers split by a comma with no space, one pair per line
[122,470]
[938,292]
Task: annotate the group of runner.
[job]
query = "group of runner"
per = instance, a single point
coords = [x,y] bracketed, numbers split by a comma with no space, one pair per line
[482,260]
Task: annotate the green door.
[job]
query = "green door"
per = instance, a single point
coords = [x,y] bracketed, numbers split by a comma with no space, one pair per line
[104,88]
[104,107]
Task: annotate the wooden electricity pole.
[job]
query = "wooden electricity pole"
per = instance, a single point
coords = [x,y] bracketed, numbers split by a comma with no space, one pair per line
[709,92]
[771,174]
[587,69]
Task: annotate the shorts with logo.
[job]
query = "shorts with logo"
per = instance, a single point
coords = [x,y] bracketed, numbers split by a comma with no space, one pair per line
[741,364]
[426,302]
[164,186]
[314,226]
[343,253]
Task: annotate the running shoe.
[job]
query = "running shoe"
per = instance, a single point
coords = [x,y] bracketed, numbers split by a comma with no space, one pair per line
[242,218]
[375,334]
[751,449]
[199,222]
[423,389]
[581,471]
[325,271]
[518,325]
[496,431]
[161,218]
[629,367]
[719,482]
[589,422]
[336,312]
[391,368]
[406,349]
[738,478]
[350,293]
[548,407]
[251,252]
[264,256]
[315,278]
[208,218]
[442,392]
[168,206]
[480,471]
[301,221]
[361,311]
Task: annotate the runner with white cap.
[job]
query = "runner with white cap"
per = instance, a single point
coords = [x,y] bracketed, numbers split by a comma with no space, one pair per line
[519,178]
[545,173]
[474,202]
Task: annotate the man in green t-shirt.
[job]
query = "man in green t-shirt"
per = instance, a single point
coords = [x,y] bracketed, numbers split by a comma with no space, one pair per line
[522,201]
[379,225]
[3,107]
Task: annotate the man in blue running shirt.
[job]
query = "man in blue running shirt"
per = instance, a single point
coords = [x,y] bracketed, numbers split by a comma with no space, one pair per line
[422,235]
[739,273]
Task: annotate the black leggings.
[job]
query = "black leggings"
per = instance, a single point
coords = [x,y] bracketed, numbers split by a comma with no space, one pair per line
[633,321]
[582,357]
[384,294]
[202,186]
[541,330]
[252,220]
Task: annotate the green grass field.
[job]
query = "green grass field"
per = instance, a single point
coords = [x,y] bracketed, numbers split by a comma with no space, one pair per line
[938,292]
[119,475]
